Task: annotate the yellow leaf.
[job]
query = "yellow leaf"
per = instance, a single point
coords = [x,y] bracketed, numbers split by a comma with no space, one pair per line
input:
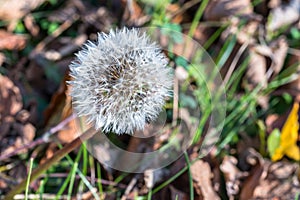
[288,138]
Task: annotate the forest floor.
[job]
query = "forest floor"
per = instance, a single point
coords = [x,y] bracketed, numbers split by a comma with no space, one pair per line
[254,45]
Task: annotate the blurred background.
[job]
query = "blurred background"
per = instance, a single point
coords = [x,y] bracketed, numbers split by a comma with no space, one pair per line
[255,45]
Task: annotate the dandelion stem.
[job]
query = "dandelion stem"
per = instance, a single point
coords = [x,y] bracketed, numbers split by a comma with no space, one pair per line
[50,162]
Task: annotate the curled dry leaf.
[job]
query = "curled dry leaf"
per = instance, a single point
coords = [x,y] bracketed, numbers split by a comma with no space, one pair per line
[10,41]
[218,9]
[202,175]
[275,52]
[279,49]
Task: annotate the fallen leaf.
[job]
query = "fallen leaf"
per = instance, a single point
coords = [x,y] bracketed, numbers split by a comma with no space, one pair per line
[256,71]
[250,183]
[274,3]
[279,182]
[24,134]
[247,33]
[218,9]
[285,14]
[10,41]
[202,175]
[2,58]
[289,136]
[173,8]
[293,87]
[133,13]
[31,25]
[279,51]
[152,177]
[10,97]
[232,175]
[15,9]
[60,107]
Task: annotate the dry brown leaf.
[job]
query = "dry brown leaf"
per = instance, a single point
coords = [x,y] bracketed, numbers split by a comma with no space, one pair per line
[31,25]
[232,175]
[294,87]
[22,135]
[259,70]
[133,14]
[60,107]
[10,97]
[10,41]
[274,121]
[154,176]
[253,158]
[247,34]
[274,3]
[256,71]
[172,8]
[202,176]
[16,9]
[279,48]
[218,9]
[2,58]
[281,182]
[287,13]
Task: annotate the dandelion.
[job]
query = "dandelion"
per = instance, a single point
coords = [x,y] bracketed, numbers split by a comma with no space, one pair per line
[120,83]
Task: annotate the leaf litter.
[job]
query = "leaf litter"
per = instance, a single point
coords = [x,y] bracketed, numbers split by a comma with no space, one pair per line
[33,91]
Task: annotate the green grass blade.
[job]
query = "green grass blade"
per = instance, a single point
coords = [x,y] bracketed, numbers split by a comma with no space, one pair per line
[100,187]
[226,51]
[214,36]
[149,194]
[197,17]
[72,180]
[68,179]
[28,178]
[190,175]
[170,180]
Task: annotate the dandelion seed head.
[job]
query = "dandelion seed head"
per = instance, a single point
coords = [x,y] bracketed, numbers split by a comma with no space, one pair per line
[120,82]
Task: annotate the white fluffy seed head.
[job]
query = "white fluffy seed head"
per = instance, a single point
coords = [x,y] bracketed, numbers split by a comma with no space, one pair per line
[120,83]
